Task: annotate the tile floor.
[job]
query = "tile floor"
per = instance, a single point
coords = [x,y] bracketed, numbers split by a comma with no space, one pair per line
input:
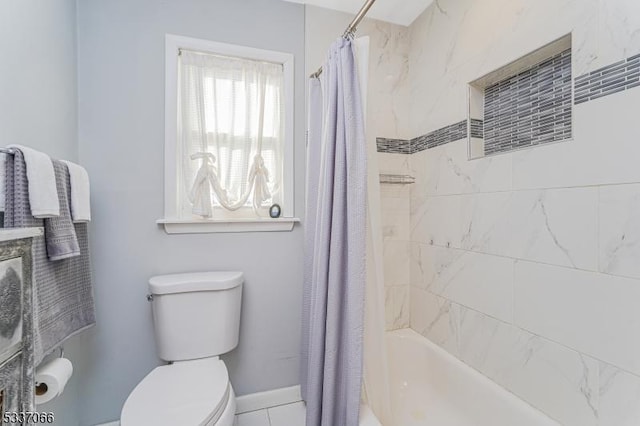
[282,415]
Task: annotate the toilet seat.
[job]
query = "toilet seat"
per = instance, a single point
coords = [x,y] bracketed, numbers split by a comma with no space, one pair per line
[190,393]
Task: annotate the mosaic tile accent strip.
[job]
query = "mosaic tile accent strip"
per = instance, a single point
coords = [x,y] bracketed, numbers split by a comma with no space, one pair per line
[393,146]
[530,108]
[477,128]
[439,137]
[536,102]
[614,78]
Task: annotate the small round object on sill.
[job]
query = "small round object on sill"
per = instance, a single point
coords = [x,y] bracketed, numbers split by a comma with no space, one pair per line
[274,211]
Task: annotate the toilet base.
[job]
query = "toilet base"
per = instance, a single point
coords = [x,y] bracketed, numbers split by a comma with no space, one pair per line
[228,415]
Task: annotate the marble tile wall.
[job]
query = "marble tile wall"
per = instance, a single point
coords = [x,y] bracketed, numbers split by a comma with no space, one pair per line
[525,265]
[395,211]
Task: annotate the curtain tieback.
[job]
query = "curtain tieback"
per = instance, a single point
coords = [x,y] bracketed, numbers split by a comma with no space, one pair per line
[207,181]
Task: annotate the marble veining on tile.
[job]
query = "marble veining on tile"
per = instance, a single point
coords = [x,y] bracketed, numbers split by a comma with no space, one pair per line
[619,393]
[396,307]
[530,366]
[446,170]
[619,229]
[562,215]
[589,312]
[476,280]
[550,226]
[436,318]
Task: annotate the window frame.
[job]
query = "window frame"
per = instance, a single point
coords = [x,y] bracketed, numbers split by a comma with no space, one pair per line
[172,221]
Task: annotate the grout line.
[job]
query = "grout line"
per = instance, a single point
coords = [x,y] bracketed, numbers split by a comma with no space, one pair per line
[504,386]
[551,188]
[520,259]
[513,292]
[268,416]
[251,411]
[514,324]
[518,327]
[598,205]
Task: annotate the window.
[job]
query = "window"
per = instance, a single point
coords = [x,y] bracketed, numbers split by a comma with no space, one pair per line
[228,136]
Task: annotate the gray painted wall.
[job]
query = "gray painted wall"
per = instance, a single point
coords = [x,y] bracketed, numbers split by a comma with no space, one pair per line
[38,75]
[121,141]
[38,108]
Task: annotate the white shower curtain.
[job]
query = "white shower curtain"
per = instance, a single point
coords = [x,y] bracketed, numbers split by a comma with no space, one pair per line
[335,239]
[334,310]
[376,371]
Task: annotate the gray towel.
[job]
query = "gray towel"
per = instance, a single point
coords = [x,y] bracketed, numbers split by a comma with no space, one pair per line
[59,232]
[63,300]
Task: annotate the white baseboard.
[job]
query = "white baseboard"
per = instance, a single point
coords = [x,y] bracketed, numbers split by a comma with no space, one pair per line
[257,401]
[267,399]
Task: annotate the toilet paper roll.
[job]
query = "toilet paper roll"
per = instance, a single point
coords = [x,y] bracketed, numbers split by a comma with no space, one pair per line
[51,378]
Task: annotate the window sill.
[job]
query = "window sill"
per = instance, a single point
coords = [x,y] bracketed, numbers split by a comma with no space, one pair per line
[203,226]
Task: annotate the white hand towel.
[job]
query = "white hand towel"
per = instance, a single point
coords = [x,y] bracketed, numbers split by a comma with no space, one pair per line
[41,179]
[80,192]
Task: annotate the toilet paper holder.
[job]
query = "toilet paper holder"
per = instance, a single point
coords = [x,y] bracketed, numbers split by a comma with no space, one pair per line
[41,388]
[51,377]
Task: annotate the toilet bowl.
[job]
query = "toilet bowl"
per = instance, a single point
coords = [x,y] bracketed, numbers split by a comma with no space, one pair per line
[196,317]
[189,393]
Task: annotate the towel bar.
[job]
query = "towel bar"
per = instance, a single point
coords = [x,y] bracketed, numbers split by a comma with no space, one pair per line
[8,151]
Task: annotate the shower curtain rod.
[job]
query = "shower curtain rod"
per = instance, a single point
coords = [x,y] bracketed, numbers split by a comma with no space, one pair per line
[351,29]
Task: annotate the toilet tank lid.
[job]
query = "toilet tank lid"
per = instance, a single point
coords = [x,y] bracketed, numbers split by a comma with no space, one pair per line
[195,281]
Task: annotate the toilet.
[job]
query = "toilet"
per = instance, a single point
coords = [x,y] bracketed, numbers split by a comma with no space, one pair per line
[196,318]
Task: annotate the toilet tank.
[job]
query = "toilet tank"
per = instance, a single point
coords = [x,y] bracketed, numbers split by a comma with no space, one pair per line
[196,315]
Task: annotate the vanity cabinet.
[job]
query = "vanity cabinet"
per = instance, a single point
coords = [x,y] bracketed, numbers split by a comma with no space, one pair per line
[16,321]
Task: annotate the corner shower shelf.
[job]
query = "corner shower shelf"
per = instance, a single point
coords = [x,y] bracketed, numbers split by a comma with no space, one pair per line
[397,179]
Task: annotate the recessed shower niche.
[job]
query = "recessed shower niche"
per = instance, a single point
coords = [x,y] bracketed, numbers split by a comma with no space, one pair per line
[525,103]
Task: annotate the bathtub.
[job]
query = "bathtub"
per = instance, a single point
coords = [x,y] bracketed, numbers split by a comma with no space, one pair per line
[429,387]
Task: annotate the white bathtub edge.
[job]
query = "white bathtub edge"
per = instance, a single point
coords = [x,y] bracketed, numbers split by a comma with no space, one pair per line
[475,375]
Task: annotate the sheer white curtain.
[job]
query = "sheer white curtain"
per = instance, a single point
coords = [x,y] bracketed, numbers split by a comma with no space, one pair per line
[231,118]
